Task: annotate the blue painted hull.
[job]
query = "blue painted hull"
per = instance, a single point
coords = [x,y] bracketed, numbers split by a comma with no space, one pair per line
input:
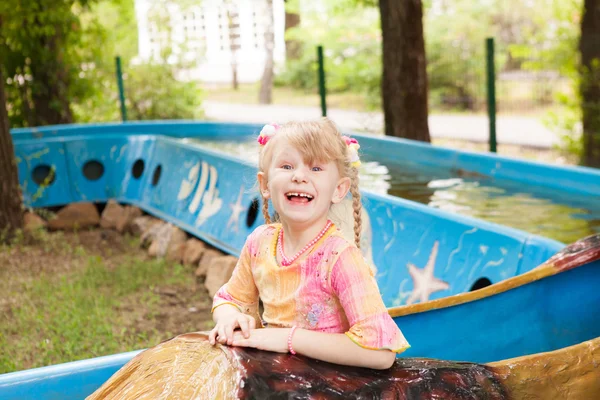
[196,188]
[552,313]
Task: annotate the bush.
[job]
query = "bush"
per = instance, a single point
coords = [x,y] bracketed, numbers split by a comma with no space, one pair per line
[352,44]
[153,92]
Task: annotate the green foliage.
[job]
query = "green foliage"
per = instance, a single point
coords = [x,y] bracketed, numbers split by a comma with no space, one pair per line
[557,50]
[352,45]
[88,35]
[39,49]
[455,54]
[153,92]
[538,35]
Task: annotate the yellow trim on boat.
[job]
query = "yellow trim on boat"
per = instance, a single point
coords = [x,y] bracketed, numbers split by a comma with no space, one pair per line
[535,274]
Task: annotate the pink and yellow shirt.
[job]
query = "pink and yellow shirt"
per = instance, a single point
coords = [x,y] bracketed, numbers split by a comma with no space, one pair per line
[329,289]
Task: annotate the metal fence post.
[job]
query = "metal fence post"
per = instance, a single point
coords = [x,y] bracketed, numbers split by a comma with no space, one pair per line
[121,89]
[322,90]
[491,92]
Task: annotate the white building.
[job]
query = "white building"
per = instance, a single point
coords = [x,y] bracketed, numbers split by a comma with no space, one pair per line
[202,35]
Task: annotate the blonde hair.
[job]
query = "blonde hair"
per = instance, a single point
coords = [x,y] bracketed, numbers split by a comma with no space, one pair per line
[318,140]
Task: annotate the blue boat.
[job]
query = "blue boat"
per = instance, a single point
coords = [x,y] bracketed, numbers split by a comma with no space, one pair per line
[428,261]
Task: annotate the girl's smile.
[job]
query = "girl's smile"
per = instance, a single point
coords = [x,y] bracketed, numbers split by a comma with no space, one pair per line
[301,192]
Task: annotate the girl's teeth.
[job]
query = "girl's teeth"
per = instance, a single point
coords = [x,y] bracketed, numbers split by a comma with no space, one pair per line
[308,196]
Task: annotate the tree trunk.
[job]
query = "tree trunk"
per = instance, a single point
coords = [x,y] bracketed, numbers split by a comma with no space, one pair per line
[50,82]
[293,48]
[589,47]
[404,81]
[234,42]
[266,84]
[11,216]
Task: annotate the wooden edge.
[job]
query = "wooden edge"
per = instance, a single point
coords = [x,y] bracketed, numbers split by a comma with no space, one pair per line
[569,373]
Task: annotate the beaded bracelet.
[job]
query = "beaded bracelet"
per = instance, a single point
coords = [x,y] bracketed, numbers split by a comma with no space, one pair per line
[290,348]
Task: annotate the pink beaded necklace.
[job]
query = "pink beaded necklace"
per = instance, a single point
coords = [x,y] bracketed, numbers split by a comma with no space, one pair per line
[286,262]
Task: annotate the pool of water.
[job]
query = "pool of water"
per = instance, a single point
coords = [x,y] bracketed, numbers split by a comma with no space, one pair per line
[560,216]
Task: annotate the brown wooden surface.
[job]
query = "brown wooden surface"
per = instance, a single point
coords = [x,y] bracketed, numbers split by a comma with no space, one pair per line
[569,373]
[404,80]
[589,47]
[11,216]
[187,367]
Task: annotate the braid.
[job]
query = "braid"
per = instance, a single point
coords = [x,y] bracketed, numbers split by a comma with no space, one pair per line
[356,205]
[265,211]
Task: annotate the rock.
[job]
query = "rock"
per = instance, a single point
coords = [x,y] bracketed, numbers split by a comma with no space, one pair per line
[129,215]
[141,224]
[219,272]
[175,252]
[208,255]
[168,239]
[33,222]
[194,249]
[111,214]
[152,229]
[75,216]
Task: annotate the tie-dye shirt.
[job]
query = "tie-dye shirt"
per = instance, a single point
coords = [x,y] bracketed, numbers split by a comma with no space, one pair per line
[329,289]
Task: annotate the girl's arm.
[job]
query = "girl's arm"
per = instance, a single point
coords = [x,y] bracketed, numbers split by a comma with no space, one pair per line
[339,349]
[331,347]
[235,304]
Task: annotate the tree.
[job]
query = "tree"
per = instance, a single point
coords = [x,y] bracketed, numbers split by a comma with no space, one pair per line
[293,47]
[233,25]
[266,83]
[404,79]
[37,38]
[10,193]
[590,82]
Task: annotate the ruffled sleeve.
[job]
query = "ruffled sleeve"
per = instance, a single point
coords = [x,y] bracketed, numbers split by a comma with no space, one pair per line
[371,326]
[240,291]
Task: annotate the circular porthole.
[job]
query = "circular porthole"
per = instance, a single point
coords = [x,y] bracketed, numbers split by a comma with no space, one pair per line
[93,170]
[480,284]
[43,175]
[138,169]
[156,175]
[252,213]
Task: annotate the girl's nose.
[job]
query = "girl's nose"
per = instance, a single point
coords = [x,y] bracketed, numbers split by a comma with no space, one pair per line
[299,176]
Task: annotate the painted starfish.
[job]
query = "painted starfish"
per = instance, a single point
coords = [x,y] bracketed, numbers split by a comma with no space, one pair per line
[424,281]
[236,210]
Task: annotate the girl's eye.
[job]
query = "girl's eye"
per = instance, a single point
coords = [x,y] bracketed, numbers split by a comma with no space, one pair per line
[317,169]
[286,166]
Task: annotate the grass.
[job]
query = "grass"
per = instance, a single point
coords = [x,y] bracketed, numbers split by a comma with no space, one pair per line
[248,94]
[512,99]
[95,309]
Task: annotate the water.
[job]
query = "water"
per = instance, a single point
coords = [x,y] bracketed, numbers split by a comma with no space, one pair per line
[560,216]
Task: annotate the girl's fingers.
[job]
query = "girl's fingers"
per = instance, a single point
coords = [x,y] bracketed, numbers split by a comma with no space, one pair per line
[229,334]
[244,326]
[252,322]
[222,337]
[212,335]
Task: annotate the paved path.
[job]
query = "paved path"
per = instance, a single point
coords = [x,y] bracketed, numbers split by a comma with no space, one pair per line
[510,130]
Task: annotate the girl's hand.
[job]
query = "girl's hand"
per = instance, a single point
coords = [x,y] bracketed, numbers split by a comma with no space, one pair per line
[269,339]
[224,329]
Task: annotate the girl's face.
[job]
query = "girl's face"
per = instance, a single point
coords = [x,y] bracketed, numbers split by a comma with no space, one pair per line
[301,193]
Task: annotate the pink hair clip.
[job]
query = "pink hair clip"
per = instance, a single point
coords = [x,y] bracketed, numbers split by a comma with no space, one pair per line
[267,132]
[353,147]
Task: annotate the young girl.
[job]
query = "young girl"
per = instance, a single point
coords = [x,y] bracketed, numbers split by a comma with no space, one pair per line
[320,297]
